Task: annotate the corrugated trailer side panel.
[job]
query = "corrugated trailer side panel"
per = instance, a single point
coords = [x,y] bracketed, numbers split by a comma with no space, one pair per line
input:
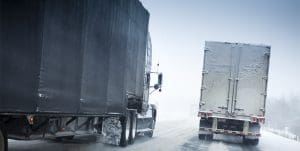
[113,28]
[132,51]
[116,91]
[133,26]
[137,38]
[88,54]
[60,73]
[141,44]
[20,55]
[98,40]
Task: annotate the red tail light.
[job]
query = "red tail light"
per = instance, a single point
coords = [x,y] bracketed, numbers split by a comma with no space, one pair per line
[208,114]
[257,119]
[253,119]
[261,119]
[204,114]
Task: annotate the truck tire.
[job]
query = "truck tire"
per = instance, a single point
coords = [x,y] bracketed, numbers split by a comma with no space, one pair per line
[125,134]
[255,142]
[3,138]
[250,141]
[133,126]
[205,136]
[201,136]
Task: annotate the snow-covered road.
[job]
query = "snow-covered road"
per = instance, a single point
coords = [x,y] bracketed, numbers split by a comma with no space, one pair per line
[171,135]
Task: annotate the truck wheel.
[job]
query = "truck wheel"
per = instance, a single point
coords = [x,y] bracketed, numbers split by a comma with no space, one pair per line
[205,136]
[250,141]
[254,142]
[3,138]
[125,135]
[133,126]
[201,136]
[209,137]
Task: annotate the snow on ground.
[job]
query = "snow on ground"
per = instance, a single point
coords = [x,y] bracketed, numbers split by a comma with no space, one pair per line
[180,135]
[284,133]
[271,142]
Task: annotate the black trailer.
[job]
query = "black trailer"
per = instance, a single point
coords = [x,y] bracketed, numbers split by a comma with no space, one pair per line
[71,67]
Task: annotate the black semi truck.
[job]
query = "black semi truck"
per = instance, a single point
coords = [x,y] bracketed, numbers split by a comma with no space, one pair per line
[75,67]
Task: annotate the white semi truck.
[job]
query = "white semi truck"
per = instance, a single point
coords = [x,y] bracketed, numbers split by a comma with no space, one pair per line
[234,90]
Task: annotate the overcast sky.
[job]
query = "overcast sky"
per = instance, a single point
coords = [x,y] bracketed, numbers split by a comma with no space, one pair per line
[179,29]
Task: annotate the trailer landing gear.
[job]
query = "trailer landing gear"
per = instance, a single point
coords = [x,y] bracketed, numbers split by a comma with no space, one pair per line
[3,138]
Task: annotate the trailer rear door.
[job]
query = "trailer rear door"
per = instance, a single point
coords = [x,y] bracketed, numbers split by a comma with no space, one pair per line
[251,79]
[234,78]
[216,89]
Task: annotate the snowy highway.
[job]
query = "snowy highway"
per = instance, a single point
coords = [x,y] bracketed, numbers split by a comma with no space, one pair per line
[173,135]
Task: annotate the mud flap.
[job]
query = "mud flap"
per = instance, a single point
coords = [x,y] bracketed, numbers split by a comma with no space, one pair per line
[204,125]
[112,130]
[3,138]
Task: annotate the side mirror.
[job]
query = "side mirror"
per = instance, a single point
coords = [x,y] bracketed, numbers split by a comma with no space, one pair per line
[160,79]
[159,82]
[156,86]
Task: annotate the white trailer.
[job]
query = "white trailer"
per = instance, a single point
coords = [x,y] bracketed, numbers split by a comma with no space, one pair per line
[234,90]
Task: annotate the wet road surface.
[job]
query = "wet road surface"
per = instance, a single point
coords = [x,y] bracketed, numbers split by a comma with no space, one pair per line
[171,135]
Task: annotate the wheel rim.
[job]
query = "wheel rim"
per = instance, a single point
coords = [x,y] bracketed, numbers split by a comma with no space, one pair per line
[127,130]
[2,145]
[134,127]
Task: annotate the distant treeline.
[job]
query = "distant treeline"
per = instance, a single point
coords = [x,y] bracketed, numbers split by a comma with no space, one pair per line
[284,114]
